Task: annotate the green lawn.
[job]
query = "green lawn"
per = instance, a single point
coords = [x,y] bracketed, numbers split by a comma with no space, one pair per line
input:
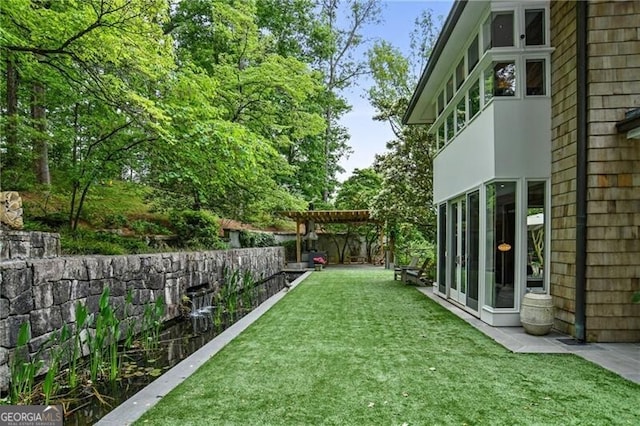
[354,347]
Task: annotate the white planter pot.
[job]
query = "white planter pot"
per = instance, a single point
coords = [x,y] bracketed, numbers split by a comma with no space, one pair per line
[536,313]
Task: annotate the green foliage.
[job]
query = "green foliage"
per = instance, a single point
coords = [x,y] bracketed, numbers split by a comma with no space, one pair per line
[256,239]
[197,229]
[290,247]
[98,242]
[23,368]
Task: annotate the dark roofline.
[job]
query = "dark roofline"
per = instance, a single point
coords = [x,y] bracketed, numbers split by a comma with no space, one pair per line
[447,29]
[630,122]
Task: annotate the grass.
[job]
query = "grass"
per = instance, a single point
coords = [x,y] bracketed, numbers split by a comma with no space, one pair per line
[354,347]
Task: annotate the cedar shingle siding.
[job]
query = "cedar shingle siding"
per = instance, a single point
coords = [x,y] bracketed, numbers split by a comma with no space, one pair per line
[613,198]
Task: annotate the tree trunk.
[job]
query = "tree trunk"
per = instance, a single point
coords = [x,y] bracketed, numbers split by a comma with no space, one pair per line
[40,145]
[11,127]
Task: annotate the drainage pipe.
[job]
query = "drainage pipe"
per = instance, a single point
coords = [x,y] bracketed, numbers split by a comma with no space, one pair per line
[581,169]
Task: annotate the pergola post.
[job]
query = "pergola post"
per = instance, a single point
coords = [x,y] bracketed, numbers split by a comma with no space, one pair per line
[298,243]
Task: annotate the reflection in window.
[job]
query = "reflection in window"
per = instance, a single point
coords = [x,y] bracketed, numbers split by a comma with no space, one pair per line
[486,34]
[441,136]
[442,248]
[460,115]
[502,29]
[504,74]
[501,245]
[474,100]
[535,234]
[535,77]
[460,74]
[534,27]
[449,89]
[450,129]
[441,102]
[488,84]
[472,54]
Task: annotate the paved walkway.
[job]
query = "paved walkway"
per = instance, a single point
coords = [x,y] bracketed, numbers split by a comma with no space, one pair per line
[621,358]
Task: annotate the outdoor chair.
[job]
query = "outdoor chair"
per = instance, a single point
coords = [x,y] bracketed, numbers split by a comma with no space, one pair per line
[416,275]
[398,270]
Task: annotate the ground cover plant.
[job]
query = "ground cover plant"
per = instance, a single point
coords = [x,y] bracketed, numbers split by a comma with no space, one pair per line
[353,347]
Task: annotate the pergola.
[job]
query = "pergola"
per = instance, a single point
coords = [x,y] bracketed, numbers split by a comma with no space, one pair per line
[326,216]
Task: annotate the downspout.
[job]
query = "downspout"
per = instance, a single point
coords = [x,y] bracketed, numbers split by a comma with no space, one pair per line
[581,169]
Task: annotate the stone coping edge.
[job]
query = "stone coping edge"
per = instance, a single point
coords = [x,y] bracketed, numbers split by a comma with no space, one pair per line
[133,408]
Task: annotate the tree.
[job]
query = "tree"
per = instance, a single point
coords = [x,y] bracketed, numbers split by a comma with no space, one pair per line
[340,70]
[407,166]
[97,62]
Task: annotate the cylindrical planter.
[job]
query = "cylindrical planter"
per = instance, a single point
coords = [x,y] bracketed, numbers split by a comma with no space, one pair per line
[536,313]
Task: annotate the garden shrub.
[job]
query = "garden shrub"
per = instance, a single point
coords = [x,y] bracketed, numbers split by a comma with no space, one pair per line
[196,229]
[250,239]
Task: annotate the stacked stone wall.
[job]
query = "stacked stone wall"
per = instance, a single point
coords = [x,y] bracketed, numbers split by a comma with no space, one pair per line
[44,292]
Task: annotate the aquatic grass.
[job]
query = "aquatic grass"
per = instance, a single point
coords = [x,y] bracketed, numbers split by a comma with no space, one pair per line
[351,347]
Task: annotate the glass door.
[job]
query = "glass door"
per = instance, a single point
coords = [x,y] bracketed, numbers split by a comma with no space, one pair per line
[458,269]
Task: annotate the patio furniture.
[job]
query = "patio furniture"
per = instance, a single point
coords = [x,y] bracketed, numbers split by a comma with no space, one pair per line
[399,270]
[416,276]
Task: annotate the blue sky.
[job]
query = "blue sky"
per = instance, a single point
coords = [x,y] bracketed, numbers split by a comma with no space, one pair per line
[368,137]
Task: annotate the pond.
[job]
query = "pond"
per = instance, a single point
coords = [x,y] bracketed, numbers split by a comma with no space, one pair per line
[139,366]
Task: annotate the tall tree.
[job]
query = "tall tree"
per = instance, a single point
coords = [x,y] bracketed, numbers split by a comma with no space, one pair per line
[344,21]
[407,166]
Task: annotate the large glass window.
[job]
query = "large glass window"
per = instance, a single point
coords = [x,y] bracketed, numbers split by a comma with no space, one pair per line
[473,248]
[536,198]
[502,29]
[536,77]
[534,27]
[501,245]
[442,248]
[472,54]
[449,89]
[441,102]
[460,74]
[461,115]
[474,99]
[504,78]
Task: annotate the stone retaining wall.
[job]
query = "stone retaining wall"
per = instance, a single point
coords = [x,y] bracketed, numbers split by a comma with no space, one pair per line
[28,245]
[44,292]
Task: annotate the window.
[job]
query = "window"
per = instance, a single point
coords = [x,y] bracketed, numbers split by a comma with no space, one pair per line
[535,77]
[449,89]
[442,248]
[534,27]
[486,34]
[488,84]
[450,129]
[504,78]
[501,245]
[472,55]
[460,74]
[441,136]
[474,99]
[461,115]
[535,234]
[440,102]
[502,29]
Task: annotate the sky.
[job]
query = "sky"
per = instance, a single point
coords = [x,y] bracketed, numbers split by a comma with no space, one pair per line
[369,137]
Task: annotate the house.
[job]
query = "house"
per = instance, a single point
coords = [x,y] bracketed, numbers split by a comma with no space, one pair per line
[533,106]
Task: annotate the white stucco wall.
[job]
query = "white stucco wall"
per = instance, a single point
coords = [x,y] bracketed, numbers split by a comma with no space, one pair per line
[466,161]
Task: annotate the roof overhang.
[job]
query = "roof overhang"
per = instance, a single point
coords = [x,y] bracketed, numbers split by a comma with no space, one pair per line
[331,216]
[458,28]
[631,124]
